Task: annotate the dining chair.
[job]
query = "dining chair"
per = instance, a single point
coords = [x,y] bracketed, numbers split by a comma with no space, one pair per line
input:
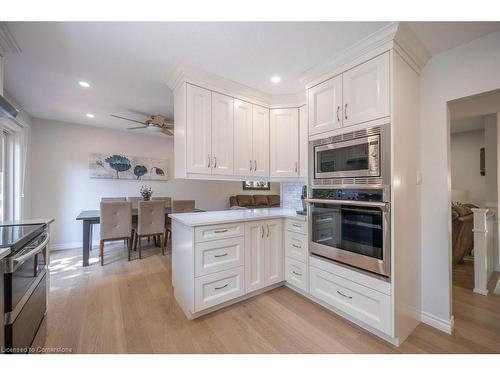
[179,206]
[116,224]
[114,199]
[168,200]
[151,223]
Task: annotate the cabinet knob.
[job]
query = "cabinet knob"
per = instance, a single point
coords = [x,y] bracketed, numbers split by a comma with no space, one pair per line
[345,111]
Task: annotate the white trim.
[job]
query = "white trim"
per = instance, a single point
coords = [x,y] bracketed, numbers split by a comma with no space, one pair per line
[438,323]
[497,268]
[480,291]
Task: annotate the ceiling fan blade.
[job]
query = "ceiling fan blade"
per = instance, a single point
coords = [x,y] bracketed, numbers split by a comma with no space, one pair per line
[128,119]
[138,127]
[167,131]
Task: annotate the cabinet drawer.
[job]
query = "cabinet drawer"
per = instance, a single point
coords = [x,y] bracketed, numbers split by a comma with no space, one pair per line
[296,226]
[216,288]
[296,273]
[362,303]
[219,255]
[219,231]
[296,246]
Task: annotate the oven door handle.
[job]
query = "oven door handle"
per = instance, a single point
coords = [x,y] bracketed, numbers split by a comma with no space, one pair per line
[22,258]
[385,206]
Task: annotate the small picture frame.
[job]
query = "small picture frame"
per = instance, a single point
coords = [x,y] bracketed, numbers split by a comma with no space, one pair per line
[482,162]
[256,185]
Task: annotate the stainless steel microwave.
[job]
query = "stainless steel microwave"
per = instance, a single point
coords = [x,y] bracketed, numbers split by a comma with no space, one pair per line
[361,154]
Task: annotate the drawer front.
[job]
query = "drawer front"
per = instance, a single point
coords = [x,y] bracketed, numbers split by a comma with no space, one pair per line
[216,288]
[362,303]
[296,273]
[219,255]
[296,226]
[296,246]
[219,231]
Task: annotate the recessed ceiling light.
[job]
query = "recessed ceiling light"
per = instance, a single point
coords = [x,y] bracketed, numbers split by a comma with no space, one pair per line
[275,79]
[84,84]
[90,115]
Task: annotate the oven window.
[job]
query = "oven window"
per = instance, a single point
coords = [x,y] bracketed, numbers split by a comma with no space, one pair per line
[351,228]
[349,158]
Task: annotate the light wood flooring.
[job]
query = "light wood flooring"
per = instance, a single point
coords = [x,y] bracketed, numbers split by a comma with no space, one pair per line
[129,307]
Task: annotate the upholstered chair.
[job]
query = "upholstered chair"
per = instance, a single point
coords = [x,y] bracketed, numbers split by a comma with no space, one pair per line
[179,207]
[114,199]
[151,222]
[116,224]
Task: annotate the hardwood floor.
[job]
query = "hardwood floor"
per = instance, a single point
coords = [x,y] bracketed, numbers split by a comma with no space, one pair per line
[129,307]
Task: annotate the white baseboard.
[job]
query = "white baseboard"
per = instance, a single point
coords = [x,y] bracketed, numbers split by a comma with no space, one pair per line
[480,291]
[497,268]
[438,323]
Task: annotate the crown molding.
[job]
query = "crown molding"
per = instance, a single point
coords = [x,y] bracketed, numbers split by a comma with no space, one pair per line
[7,42]
[412,49]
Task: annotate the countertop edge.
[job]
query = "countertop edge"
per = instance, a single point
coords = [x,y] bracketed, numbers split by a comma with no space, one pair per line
[28,221]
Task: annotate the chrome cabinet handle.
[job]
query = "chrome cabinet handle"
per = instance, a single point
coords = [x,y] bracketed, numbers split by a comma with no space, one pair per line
[338,109]
[296,166]
[221,287]
[215,161]
[262,233]
[345,111]
[297,246]
[255,165]
[296,273]
[344,295]
[220,231]
[220,255]
[250,165]
[267,230]
[209,161]
[297,225]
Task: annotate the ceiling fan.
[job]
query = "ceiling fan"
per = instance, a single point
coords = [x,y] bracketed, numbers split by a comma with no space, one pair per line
[155,123]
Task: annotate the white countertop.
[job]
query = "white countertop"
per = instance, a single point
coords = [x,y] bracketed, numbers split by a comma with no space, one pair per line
[195,219]
[28,221]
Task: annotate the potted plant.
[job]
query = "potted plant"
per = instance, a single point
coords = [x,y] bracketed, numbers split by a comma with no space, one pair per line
[146,192]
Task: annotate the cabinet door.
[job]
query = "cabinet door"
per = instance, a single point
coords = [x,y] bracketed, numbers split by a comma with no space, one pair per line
[260,141]
[274,251]
[243,138]
[198,129]
[222,134]
[303,142]
[325,106]
[284,146]
[254,256]
[366,91]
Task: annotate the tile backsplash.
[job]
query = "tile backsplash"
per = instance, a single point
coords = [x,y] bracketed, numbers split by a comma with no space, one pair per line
[290,195]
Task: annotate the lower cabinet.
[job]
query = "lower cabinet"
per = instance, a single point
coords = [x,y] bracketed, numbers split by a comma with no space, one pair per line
[263,254]
[367,305]
[216,288]
[296,273]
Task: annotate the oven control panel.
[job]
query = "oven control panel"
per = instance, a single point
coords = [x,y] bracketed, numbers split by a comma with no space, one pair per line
[365,195]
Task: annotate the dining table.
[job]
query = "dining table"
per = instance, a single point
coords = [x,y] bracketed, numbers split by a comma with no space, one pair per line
[91,217]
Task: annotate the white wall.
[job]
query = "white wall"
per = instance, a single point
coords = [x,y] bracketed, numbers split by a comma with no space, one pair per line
[469,69]
[465,163]
[491,158]
[61,186]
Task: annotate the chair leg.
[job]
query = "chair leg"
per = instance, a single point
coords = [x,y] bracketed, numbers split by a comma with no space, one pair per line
[101,252]
[129,246]
[139,245]
[162,240]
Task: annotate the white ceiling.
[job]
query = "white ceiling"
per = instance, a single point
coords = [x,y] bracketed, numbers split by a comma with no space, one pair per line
[128,64]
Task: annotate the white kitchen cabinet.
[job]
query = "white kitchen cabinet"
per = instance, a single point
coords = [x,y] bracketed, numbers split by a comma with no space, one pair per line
[254,256]
[216,288]
[198,129]
[260,141]
[273,251]
[243,135]
[263,254]
[325,106]
[284,146]
[303,142]
[366,89]
[222,134]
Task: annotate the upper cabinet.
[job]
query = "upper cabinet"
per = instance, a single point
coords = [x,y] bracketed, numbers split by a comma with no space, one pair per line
[260,141]
[284,132]
[366,91]
[199,130]
[325,106]
[303,142]
[358,95]
[222,134]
